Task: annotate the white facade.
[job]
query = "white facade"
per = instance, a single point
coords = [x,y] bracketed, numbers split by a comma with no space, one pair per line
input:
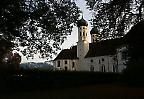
[100,64]
[66,64]
[109,63]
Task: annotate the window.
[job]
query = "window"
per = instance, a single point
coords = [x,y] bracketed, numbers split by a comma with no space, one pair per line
[92,68]
[73,64]
[83,27]
[91,60]
[99,61]
[115,69]
[103,68]
[66,68]
[65,62]
[83,33]
[58,64]
[80,33]
[102,59]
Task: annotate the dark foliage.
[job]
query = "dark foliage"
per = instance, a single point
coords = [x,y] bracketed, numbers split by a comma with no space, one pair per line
[5,47]
[113,18]
[40,26]
[10,62]
[33,80]
[135,65]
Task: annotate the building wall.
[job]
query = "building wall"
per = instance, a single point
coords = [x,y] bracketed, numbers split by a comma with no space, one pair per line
[100,63]
[82,33]
[108,63]
[66,64]
[82,49]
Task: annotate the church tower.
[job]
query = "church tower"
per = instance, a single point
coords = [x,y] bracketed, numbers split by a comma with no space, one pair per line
[94,34]
[83,44]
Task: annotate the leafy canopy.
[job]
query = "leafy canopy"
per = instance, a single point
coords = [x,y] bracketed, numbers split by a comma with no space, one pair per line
[113,18]
[39,26]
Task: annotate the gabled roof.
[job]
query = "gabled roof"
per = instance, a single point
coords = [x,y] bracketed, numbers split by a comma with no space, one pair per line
[106,47]
[68,54]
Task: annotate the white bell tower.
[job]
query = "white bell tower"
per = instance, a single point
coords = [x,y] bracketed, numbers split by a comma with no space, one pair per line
[83,44]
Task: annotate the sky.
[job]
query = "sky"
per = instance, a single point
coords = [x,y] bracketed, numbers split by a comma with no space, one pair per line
[71,39]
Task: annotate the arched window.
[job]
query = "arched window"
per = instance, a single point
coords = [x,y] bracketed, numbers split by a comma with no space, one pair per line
[91,68]
[83,33]
[58,64]
[99,61]
[115,69]
[66,68]
[65,62]
[103,68]
[73,65]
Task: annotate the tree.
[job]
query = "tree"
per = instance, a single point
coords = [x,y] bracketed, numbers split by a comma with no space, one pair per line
[5,47]
[11,62]
[135,42]
[114,18]
[39,26]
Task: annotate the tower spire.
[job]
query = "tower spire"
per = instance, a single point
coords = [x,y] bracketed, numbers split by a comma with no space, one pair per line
[82,16]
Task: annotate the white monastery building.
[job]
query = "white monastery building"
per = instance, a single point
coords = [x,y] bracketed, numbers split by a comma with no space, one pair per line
[103,56]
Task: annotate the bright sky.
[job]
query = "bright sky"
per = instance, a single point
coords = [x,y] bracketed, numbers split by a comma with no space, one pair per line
[73,38]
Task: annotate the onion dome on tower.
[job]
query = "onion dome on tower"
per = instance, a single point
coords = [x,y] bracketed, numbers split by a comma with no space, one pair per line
[82,22]
[94,30]
[94,33]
